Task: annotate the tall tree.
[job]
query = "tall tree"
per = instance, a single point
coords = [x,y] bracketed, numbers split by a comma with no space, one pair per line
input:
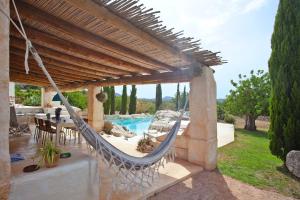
[158,97]
[112,100]
[106,104]
[250,97]
[123,110]
[284,68]
[183,98]
[132,102]
[177,98]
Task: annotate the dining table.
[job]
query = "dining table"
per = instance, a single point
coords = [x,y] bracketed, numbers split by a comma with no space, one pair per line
[64,122]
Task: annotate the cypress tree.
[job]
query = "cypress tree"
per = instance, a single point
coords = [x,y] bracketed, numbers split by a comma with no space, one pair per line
[183,99]
[112,100]
[132,103]
[177,97]
[284,68]
[123,110]
[106,105]
[158,97]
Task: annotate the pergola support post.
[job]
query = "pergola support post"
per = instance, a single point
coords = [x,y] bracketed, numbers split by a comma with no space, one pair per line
[4,103]
[95,109]
[202,132]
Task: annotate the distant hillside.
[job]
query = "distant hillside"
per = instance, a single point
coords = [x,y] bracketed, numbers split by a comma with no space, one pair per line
[117,94]
[167,98]
[220,100]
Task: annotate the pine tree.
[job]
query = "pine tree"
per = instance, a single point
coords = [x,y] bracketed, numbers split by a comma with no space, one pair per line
[177,99]
[284,68]
[132,103]
[123,110]
[112,100]
[183,98]
[106,105]
[158,97]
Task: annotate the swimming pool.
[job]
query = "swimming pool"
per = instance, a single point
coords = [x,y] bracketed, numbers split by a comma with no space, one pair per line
[136,125]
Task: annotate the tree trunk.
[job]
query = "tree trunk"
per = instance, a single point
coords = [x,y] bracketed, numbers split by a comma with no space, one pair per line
[250,123]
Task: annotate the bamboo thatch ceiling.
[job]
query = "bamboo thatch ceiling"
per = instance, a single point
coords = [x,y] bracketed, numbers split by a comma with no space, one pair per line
[102,42]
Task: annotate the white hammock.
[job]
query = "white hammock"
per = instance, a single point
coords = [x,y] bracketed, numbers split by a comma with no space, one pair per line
[131,171]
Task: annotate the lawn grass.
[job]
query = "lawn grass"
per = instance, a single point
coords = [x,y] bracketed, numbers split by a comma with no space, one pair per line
[249,160]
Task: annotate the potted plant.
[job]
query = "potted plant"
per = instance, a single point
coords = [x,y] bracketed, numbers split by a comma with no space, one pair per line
[49,154]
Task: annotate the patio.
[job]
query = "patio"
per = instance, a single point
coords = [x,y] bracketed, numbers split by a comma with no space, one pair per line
[91,44]
[25,145]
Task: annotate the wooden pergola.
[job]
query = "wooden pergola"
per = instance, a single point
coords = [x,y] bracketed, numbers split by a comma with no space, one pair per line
[92,43]
[102,42]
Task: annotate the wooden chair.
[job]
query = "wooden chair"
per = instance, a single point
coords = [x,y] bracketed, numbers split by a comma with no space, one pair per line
[37,129]
[42,131]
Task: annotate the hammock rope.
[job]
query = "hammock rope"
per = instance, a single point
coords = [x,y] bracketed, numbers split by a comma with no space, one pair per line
[131,171]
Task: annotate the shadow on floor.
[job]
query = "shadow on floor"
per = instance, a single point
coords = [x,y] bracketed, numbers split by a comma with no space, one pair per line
[205,185]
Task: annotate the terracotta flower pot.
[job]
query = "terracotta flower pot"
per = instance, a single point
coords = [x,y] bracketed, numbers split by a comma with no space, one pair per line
[55,162]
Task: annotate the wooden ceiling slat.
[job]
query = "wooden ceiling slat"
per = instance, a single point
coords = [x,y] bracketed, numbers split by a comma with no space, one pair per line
[16,59]
[20,75]
[18,43]
[59,64]
[53,72]
[102,13]
[72,49]
[81,36]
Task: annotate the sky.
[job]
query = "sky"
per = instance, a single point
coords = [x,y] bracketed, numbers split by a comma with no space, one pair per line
[240,29]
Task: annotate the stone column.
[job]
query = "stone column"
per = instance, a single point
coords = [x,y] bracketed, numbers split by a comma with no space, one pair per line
[12,92]
[95,109]
[202,133]
[4,103]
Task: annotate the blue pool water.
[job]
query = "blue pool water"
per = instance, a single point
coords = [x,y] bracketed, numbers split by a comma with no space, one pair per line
[136,125]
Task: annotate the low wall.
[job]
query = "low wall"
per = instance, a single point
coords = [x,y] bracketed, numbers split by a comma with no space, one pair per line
[225,135]
[75,178]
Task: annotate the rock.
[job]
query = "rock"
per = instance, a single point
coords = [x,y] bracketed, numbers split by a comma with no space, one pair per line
[107,127]
[166,115]
[293,162]
[119,131]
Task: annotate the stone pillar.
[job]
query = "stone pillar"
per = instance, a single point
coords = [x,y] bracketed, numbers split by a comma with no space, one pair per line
[95,109]
[202,133]
[4,103]
[12,92]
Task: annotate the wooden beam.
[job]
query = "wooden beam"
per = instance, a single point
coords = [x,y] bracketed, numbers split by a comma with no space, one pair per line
[59,64]
[72,49]
[89,39]
[34,76]
[18,43]
[110,18]
[167,77]
[18,60]
[28,82]
[54,73]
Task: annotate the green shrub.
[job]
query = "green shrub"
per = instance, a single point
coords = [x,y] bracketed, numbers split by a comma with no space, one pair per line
[77,99]
[229,118]
[28,95]
[220,111]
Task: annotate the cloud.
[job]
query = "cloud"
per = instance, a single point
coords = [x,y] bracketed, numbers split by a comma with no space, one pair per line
[254,5]
[203,18]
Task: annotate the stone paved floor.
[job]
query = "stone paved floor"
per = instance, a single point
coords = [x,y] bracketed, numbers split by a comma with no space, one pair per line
[215,186]
[173,172]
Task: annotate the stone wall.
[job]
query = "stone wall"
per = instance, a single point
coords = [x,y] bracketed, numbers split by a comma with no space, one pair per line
[4,103]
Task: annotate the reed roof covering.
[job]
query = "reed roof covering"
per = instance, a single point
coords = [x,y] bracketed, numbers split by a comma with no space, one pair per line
[103,42]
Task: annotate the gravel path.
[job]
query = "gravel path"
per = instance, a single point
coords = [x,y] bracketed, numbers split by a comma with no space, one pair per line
[215,186]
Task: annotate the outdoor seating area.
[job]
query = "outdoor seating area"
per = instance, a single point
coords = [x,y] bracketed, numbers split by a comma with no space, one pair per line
[89,45]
